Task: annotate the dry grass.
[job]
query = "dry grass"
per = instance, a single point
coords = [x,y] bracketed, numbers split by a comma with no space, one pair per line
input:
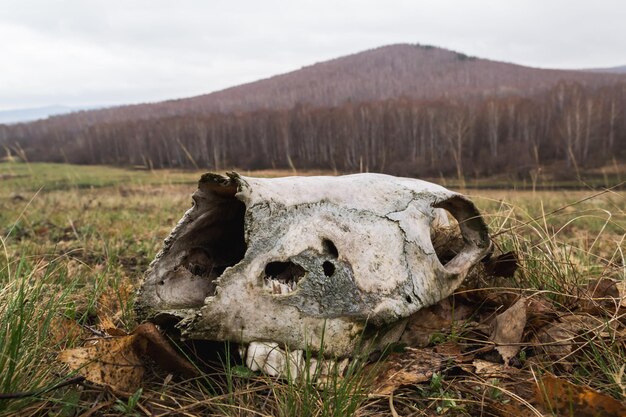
[76,240]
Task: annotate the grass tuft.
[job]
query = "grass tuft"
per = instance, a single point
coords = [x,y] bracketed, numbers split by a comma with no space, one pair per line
[76,240]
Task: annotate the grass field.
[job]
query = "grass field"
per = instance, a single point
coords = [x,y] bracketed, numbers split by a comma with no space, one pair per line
[76,241]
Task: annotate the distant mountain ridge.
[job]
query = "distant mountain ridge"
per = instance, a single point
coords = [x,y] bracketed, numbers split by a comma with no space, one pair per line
[37,113]
[30,114]
[409,110]
[612,70]
[394,71]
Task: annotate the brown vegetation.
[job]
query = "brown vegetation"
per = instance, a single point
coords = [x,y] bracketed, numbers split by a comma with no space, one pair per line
[401,109]
[571,124]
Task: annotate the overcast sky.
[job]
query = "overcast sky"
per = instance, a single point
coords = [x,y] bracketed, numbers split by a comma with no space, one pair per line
[93,52]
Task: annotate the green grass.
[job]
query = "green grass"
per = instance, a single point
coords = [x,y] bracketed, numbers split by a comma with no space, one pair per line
[76,240]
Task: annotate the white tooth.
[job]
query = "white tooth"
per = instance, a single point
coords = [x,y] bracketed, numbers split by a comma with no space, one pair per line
[342,365]
[326,367]
[296,362]
[284,289]
[258,353]
[275,363]
[312,367]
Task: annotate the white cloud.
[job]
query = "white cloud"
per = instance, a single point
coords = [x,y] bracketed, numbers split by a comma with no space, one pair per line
[102,52]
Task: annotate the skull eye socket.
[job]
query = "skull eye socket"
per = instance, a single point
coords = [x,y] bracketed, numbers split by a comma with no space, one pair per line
[470,241]
[445,235]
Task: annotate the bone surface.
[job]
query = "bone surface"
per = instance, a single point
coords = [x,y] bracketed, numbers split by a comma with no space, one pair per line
[308,262]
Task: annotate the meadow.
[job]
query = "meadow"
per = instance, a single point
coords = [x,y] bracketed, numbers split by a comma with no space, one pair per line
[75,241]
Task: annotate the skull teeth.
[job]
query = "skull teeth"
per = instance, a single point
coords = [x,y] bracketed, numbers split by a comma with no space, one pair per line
[272,360]
[278,286]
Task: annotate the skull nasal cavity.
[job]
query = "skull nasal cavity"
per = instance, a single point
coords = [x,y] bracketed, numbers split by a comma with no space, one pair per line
[329,268]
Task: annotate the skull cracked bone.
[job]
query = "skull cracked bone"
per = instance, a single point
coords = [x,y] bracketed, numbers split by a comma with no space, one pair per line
[285,264]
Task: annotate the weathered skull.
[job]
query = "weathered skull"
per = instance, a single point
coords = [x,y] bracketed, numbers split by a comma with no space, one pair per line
[307,261]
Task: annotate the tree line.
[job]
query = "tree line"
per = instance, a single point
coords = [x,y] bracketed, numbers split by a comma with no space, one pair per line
[574,125]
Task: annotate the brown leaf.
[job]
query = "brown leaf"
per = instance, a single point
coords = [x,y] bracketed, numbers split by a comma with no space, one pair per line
[508,329]
[421,327]
[160,351]
[116,362]
[488,369]
[113,362]
[509,409]
[438,318]
[601,295]
[621,289]
[539,312]
[539,306]
[63,331]
[406,368]
[556,339]
[106,324]
[496,297]
[111,303]
[453,310]
[449,349]
[566,399]
[503,265]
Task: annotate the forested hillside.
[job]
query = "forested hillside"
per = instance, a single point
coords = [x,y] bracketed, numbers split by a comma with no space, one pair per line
[402,109]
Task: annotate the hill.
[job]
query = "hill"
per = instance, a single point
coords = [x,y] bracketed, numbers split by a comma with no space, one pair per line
[401,109]
[394,71]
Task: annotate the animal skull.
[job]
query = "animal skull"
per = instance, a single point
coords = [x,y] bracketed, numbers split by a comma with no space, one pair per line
[320,262]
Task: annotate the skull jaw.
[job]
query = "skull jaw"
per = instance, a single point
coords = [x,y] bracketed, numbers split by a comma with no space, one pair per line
[287,326]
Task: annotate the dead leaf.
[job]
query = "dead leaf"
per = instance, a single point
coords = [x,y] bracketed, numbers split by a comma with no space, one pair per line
[407,368]
[566,399]
[111,303]
[509,409]
[621,289]
[63,331]
[438,318]
[486,369]
[508,329]
[115,362]
[107,325]
[600,296]
[453,310]
[556,339]
[449,349]
[503,265]
[538,305]
[539,312]
[422,326]
[159,350]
